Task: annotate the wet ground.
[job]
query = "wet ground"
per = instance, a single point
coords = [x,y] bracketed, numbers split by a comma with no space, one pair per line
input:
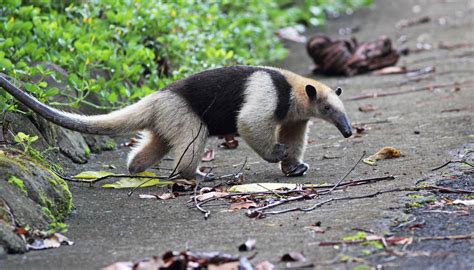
[109,226]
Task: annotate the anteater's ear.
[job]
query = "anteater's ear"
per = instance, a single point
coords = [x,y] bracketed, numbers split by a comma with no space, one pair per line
[338,91]
[310,91]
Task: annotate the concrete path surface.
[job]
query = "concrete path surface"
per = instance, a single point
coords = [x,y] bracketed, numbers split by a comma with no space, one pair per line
[109,226]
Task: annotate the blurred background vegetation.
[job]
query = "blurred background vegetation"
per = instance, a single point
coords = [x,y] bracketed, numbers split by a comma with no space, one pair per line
[120,50]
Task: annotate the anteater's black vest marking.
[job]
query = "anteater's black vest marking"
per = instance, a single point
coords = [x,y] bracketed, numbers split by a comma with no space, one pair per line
[217,95]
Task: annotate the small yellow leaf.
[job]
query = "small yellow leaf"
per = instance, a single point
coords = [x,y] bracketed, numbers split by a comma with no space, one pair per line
[384,153]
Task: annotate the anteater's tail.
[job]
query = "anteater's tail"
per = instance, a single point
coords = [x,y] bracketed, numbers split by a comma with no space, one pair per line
[131,118]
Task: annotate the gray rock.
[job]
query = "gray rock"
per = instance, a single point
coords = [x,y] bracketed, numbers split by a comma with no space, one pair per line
[36,198]
[73,145]
[98,144]
[21,123]
[9,241]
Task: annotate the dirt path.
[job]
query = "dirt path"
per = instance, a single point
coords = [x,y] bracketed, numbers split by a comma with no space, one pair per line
[109,226]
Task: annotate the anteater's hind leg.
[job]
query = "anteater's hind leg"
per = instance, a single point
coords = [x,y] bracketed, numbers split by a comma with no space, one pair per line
[188,149]
[150,149]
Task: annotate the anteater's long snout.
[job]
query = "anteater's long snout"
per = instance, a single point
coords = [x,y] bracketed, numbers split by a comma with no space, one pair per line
[342,123]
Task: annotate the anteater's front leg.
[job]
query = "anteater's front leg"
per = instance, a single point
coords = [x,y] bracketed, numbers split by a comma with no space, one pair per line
[294,135]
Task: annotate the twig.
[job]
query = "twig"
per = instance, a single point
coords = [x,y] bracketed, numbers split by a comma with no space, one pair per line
[424,88]
[448,190]
[311,208]
[270,190]
[207,213]
[450,162]
[372,122]
[348,172]
[448,237]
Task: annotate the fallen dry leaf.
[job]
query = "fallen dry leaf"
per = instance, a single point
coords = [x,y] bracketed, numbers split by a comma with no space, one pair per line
[293,257]
[399,240]
[384,153]
[209,195]
[148,196]
[368,108]
[230,142]
[248,245]
[243,205]
[464,202]
[166,196]
[208,155]
[261,187]
[53,241]
[183,185]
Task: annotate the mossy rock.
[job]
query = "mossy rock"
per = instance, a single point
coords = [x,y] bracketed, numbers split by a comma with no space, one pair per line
[30,195]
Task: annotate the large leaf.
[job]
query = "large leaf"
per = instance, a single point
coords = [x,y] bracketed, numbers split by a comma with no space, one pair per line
[138,182]
[92,174]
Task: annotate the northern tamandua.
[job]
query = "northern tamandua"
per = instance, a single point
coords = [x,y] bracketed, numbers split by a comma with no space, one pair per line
[268,107]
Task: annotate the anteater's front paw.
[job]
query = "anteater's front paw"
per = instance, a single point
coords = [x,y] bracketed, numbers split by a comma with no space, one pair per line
[294,170]
[279,153]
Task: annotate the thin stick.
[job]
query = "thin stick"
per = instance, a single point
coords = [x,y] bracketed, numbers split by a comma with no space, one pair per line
[424,88]
[448,190]
[448,237]
[373,122]
[348,172]
[311,208]
[450,162]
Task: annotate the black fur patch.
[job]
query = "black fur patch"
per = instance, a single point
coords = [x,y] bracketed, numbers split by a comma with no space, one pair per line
[217,95]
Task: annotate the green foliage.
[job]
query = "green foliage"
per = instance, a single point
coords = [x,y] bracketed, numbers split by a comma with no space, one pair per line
[18,183]
[141,45]
[25,141]
[356,237]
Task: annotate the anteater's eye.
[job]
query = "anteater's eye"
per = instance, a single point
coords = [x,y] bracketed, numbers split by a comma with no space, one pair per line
[327,108]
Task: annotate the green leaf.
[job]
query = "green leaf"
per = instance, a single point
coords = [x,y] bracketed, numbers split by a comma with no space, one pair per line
[92,174]
[137,182]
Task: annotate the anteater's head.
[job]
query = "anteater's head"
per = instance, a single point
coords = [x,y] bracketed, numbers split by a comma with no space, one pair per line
[326,104]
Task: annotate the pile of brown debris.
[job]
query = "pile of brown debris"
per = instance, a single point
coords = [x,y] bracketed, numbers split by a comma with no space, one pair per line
[348,57]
